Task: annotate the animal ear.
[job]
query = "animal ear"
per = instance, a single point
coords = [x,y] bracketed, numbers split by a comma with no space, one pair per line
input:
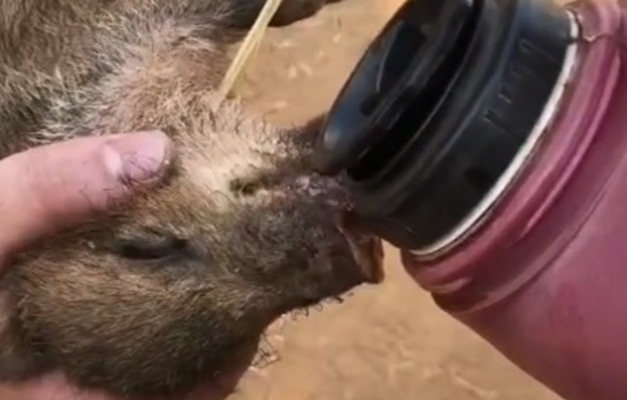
[245,12]
[292,11]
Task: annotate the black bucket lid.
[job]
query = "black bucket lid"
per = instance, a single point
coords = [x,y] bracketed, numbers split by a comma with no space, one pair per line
[438,107]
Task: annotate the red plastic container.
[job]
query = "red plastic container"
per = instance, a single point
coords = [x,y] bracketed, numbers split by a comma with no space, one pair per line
[544,276]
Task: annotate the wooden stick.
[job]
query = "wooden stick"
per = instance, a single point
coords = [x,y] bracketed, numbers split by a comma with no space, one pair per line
[248,46]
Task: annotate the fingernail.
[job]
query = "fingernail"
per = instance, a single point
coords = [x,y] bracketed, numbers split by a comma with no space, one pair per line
[138,158]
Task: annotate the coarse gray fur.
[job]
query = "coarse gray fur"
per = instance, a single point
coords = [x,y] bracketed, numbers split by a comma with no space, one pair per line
[158,295]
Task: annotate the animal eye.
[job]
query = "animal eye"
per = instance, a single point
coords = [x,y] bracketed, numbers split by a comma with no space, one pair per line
[150,248]
[244,187]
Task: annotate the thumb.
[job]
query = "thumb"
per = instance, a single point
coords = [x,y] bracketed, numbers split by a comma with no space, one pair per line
[48,188]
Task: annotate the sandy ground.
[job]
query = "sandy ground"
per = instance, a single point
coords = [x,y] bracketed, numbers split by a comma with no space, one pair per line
[388,342]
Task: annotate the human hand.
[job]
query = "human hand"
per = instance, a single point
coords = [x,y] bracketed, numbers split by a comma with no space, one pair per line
[53,187]
[49,188]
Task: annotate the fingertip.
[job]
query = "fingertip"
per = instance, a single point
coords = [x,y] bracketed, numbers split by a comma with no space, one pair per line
[138,159]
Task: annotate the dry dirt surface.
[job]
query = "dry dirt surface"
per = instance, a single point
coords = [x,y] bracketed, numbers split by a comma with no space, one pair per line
[384,343]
